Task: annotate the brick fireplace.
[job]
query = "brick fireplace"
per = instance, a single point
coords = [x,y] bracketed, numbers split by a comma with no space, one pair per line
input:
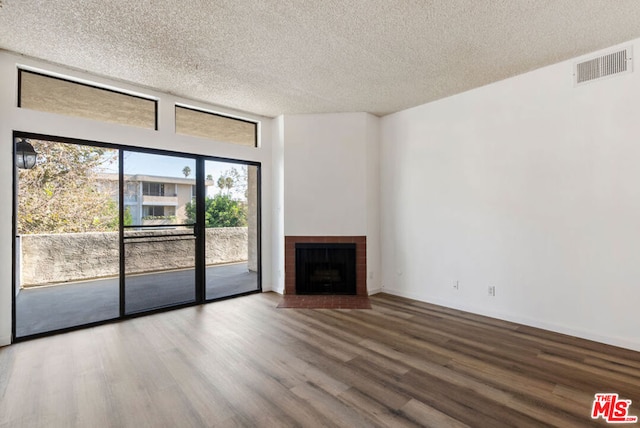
[290,258]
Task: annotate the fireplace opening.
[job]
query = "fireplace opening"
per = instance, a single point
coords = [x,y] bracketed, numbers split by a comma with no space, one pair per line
[325,268]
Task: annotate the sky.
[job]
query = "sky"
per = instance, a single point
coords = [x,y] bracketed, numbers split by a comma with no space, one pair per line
[150,164]
[170,166]
[164,166]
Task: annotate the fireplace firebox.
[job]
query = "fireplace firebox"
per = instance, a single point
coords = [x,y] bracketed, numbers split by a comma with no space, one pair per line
[325,268]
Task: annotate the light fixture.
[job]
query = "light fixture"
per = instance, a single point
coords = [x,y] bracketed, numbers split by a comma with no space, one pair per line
[25,154]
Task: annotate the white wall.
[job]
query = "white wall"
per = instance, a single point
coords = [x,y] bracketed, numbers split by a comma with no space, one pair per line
[277,164]
[531,185]
[331,179]
[13,118]
[372,149]
[325,174]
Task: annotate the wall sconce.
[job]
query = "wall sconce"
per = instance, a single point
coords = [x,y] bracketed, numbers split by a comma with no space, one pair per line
[26,155]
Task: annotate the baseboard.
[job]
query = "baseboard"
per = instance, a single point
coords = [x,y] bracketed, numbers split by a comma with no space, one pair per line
[279,290]
[556,328]
[374,291]
[5,340]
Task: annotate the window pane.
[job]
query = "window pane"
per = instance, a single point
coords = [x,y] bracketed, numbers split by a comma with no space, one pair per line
[231,234]
[215,127]
[160,239]
[67,258]
[152,189]
[54,95]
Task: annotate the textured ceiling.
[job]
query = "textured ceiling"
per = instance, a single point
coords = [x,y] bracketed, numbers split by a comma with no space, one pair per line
[287,56]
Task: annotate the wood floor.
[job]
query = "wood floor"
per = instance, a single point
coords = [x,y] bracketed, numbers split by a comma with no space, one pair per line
[324,301]
[242,362]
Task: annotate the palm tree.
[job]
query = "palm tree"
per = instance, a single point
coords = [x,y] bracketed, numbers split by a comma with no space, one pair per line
[186,171]
[228,183]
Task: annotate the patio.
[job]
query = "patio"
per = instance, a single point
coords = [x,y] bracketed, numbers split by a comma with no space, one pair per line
[43,309]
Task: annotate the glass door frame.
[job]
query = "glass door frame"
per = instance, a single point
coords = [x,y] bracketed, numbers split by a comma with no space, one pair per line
[124,240]
[200,265]
[201,194]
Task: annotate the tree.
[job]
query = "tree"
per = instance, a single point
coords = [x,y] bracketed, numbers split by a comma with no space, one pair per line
[231,179]
[221,182]
[209,177]
[186,171]
[128,217]
[61,193]
[220,211]
[228,183]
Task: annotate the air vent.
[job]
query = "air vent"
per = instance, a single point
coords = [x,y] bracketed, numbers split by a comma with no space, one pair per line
[612,64]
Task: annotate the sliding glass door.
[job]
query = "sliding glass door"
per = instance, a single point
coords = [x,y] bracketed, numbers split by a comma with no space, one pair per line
[231,228]
[104,232]
[159,234]
[66,249]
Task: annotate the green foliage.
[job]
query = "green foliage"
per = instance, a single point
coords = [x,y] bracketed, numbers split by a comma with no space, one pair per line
[112,219]
[220,211]
[128,217]
[61,193]
[186,171]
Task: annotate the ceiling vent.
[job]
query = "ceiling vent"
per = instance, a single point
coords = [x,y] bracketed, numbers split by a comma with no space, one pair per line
[612,64]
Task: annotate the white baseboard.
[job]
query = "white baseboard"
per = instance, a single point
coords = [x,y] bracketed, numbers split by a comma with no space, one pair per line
[5,340]
[633,345]
[374,291]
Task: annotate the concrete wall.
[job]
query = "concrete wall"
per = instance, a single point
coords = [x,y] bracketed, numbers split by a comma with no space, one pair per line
[18,274]
[81,256]
[530,185]
[18,119]
[227,245]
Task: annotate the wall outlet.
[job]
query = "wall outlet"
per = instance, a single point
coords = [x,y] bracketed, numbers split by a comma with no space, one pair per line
[492,290]
[456,285]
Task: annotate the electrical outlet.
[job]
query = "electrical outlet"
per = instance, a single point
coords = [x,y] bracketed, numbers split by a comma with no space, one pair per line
[492,290]
[456,286]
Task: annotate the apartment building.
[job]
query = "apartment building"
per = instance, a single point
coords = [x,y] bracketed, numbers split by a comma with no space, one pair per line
[154,199]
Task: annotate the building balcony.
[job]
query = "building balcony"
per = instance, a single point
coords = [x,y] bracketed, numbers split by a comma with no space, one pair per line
[167,201]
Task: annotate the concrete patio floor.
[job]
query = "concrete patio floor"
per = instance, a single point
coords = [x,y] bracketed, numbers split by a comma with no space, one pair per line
[43,309]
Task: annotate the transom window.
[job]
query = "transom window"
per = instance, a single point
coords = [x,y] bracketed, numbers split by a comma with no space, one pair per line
[213,126]
[55,95]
